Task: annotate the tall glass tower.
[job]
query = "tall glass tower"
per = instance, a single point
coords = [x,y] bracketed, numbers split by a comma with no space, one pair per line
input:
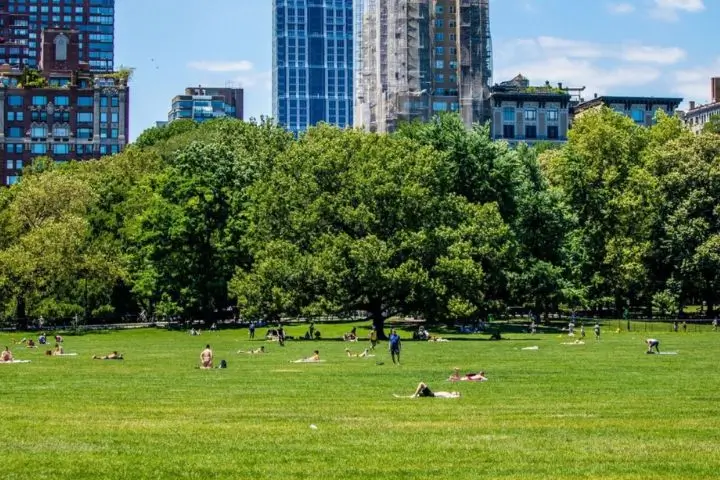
[22,22]
[312,63]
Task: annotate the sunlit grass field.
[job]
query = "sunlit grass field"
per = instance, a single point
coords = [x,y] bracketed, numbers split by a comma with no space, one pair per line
[599,410]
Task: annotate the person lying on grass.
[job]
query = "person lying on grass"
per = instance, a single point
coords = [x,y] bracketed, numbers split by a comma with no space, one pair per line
[423,390]
[468,377]
[6,355]
[111,356]
[254,350]
[314,358]
[363,354]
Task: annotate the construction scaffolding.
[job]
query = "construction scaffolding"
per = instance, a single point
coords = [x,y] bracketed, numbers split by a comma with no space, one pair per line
[397,71]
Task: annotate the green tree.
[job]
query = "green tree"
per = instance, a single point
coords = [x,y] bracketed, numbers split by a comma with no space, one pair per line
[712,126]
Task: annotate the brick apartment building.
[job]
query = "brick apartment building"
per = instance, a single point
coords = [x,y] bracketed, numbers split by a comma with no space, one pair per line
[62,111]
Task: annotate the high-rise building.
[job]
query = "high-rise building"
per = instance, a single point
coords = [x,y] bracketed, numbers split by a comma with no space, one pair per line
[420,58]
[22,22]
[205,103]
[312,63]
[62,111]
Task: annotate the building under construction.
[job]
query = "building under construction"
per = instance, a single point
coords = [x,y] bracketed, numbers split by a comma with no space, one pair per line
[418,58]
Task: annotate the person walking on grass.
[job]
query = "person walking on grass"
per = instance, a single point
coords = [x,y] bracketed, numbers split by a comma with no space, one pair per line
[715,324]
[596,329]
[206,357]
[251,330]
[394,345]
[373,338]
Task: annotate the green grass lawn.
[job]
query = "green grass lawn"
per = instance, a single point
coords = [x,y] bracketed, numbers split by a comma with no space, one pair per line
[599,410]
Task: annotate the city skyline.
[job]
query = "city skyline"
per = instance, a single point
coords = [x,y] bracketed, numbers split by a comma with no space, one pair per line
[624,50]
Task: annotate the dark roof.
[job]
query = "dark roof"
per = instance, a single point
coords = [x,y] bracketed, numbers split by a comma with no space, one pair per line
[607,100]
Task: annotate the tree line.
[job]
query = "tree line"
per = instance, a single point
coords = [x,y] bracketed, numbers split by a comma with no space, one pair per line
[434,220]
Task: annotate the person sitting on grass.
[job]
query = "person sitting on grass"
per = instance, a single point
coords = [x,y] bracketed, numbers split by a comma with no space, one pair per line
[58,350]
[253,351]
[31,344]
[112,356]
[312,359]
[6,355]
[468,377]
[653,344]
[423,390]
[206,357]
[42,339]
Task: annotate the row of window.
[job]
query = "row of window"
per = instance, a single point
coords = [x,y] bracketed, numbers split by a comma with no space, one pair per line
[60,132]
[531,132]
[67,8]
[530,114]
[63,100]
[57,149]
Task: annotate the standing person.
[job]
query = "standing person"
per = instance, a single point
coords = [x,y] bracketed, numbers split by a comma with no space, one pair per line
[311,329]
[281,335]
[251,330]
[684,325]
[206,357]
[571,329]
[675,326]
[582,330]
[373,338]
[715,324]
[394,343]
[653,343]
[596,329]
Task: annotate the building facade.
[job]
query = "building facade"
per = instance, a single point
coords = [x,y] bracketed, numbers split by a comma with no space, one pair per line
[205,103]
[312,77]
[63,111]
[524,113]
[698,115]
[22,23]
[423,57]
[640,109]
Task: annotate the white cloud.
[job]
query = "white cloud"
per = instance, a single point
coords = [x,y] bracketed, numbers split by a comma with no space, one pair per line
[601,68]
[221,66]
[252,80]
[621,8]
[667,10]
[694,83]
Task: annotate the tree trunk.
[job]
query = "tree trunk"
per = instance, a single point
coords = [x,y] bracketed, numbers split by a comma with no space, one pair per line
[379,324]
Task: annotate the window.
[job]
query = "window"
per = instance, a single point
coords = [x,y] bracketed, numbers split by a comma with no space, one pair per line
[84,133]
[11,179]
[439,106]
[61,149]
[114,101]
[85,101]
[552,132]
[508,131]
[15,101]
[439,64]
[438,23]
[530,131]
[38,148]
[530,115]
[508,114]
[638,115]
[114,117]
[62,101]
[61,45]
[439,78]
[439,50]
[15,132]
[61,131]
[38,132]
[84,117]
[39,100]
[439,37]
[9,164]
[15,116]
[18,164]
[551,115]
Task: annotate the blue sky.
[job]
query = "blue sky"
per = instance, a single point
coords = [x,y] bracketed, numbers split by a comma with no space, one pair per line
[631,47]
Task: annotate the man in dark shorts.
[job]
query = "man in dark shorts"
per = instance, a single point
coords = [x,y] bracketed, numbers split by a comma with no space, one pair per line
[394,343]
[653,343]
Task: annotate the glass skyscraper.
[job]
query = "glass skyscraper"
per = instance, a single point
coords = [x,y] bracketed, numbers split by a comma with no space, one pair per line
[22,21]
[312,63]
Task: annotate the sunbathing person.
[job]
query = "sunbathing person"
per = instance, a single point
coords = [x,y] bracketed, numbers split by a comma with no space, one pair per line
[112,356]
[31,344]
[423,390]
[253,351]
[58,350]
[365,353]
[206,357]
[468,377]
[6,355]
[433,338]
[312,359]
